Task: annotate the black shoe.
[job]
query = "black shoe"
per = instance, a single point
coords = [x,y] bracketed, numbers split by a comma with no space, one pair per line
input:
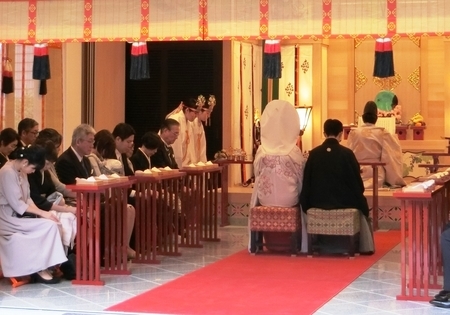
[444,304]
[36,278]
[68,268]
[442,296]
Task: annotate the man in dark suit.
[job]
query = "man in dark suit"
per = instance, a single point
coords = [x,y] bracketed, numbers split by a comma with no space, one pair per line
[124,136]
[73,162]
[168,133]
[332,180]
[28,130]
[442,299]
[141,159]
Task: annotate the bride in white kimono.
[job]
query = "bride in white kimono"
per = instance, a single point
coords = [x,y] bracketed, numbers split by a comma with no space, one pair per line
[279,163]
[30,239]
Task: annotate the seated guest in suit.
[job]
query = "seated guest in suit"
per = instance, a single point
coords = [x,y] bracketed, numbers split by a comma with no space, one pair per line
[332,180]
[8,143]
[278,165]
[442,299]
[141,159]
[32,244]
[168,133]
[124,136]
[374,144]
[50,134]
[45,197]
[103,157]
[28,129]
[73,163]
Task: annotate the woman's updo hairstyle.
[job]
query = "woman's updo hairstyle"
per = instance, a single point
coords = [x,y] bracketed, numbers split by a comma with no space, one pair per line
[51,151]
[8,135]
[35,155]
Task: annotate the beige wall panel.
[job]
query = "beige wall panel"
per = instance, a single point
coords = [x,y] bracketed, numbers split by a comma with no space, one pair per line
[285,17]
[13,20]
[59,19]
[434,102]
[423,16]
[71,90]
[109,98]
[233,18]
[123,19]
[339,79]
[358,17]
[447,88]
[172,19]
[406,61]
[53,101]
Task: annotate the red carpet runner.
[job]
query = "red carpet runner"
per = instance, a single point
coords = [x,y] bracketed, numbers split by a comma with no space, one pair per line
[262,284]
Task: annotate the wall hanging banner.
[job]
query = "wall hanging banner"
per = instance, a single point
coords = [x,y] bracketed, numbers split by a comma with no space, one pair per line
[41,62]
[384,58]
[7,77]
[287,80]
[139,62]
[272,59]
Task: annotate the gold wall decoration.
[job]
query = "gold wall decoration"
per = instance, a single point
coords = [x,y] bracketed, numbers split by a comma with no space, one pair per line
[360,79]
[388,83]
[414,39]
[414,79]
[359,40]
[395,39]
[305,66]
[289,89]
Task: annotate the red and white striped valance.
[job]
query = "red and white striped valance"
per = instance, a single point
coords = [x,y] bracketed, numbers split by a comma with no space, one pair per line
[31,21]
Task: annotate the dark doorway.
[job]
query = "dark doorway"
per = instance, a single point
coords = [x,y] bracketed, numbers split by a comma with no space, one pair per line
[178,71]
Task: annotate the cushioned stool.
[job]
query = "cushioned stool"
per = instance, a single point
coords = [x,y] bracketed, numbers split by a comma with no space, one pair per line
[334,222]
[274,219]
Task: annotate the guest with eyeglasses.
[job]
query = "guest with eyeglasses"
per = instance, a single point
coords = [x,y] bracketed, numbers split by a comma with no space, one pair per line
[164,155]
[8,143]
[184,146]
[28,130]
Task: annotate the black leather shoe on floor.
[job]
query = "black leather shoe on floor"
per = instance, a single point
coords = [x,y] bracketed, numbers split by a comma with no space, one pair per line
[37,278]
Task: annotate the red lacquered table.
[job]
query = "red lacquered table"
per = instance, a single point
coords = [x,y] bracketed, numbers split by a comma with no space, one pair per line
[89,221]
[157,207]
[423,216]
[200,205]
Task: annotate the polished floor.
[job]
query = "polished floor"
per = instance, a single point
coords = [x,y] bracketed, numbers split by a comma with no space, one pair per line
[372,293]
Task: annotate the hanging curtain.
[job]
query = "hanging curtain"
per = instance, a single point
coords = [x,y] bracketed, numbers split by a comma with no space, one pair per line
[41,66]
[139,62]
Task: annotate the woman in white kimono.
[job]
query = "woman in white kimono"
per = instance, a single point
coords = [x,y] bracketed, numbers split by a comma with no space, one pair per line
[30,240]
[184,146]
[278,164]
